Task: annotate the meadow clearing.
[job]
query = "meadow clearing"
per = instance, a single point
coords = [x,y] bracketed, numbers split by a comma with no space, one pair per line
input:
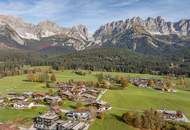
[129,99]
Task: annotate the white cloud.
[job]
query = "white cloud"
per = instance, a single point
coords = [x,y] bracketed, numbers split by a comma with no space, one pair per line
[124,3]
[93,13]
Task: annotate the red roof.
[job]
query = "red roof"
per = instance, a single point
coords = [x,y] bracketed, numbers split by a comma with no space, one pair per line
[39,94]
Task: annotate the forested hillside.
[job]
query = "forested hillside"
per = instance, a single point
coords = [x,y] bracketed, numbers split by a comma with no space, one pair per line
[125,60]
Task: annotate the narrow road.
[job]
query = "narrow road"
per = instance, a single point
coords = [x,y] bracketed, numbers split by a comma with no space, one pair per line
[101,94]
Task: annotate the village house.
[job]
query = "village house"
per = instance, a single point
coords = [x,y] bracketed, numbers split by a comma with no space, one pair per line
[27,94]
[78,115]
[88,96]
[101,106]
[65,94]
[78,92]
[13,96]
[94,90]
[64,86]
[22,105]
[52,99]
[72,125]
[144,83]
[139,82]
[46,121]
[177,116]
[51,121]
[17,98]
[38,96]
[170,90]
[2,99]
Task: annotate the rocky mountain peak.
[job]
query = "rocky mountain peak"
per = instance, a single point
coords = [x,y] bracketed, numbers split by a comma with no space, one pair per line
[150,31]
[46,32]
[47,23]
[81,28]
[183,27]
[48,28]
[155,26]
[79,31]
[136,20]
[11,19]
[8,32]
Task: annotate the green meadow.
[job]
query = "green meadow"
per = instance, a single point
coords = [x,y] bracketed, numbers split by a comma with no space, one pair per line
[136,99]
[130,99]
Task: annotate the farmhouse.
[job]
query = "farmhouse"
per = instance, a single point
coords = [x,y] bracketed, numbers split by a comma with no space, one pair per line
[101,106]
[27,94]
[17,98]
[177,116]
[64,86]
[52,99]
[38,96]
[2,99]
[78,115]
[72,125]
[51,121]
[22,105]
[88,96]
[65,94]
[139,82]
[46,121]
[145,82]
[170,90]
[78,92]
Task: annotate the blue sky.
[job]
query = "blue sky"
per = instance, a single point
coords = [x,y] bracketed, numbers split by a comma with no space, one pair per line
[93,13]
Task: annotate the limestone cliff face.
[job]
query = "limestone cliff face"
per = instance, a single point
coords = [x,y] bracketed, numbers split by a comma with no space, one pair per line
[76,37]
[155,26]
[135,33]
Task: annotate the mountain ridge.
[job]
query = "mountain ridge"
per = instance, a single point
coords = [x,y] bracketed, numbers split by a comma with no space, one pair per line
[136,34]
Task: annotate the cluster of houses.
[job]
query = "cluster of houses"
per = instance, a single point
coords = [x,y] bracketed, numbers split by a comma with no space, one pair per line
[17,101]
[139,82]
[78,119]
[52,121]
[159,84]
[177,116]
[27,100]
[74,119]
[80,93]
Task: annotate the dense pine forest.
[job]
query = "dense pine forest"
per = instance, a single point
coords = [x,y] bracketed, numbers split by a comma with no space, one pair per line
[102,59]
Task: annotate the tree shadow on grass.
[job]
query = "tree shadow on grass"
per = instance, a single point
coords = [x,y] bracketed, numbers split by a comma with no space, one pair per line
[25,80]
[188,90]
[119,118]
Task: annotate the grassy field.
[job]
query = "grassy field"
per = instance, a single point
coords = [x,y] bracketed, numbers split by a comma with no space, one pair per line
[135,99]
[18,84]
[132,98]
[20,117]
